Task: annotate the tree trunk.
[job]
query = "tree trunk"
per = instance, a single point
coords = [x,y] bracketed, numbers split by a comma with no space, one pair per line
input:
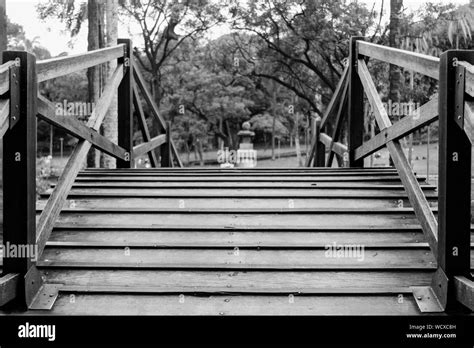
[110,124]
[94,73]
[395,76]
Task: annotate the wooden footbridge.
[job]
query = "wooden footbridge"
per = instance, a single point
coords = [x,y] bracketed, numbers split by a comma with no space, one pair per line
[319,240]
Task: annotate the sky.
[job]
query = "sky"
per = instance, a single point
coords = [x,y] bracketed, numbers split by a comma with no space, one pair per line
[52,36]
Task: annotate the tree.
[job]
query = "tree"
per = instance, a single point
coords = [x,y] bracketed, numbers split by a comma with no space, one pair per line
[95,40]
[109,127]
[395,76]
[303,42]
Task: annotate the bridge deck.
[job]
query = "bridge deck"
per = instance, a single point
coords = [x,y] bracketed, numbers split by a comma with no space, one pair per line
[222,242]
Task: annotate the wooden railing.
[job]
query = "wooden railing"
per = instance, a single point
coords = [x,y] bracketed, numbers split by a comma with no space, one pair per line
[20,104]
[449,235]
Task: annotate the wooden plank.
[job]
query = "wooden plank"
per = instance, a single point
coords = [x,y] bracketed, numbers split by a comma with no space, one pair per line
[56,67]
[290,193]
[9,287]
[356,105]
[425,115]
[225,239]
[236,178]
[212,174]
[375,259]
[337,147]
[216,202]
[166,154]
[198,170]
[5,76]
[154,108]
[46,112]
[143,125]
[336,96]
[464,291]
[236,193]
[249,219]
[454,173]
[58,197]
[469,120]
[222,305]
[382,184]
[421,63]
[252,281]
[4,116]
[149,146]
[415,193]
[125,106]
[469,78]
[140,81]
[338,125]
[19,169]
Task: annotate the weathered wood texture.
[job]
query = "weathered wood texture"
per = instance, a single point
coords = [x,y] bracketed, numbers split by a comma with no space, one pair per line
[46,112]
[417,198]
[421,63]
[56,67]
[143,125]
[59,195]
[454,172]
[422,116]
[125,106]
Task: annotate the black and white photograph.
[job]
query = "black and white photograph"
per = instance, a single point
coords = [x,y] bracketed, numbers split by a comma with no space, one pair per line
[194,171]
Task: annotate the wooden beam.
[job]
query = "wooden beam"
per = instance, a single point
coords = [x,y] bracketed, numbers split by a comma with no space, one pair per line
[9,287]
[5,76]
[4,116]
[356,105]
[125,106]
[336,96]
[58,197]
[166,156]
[415,193]
[154,109]
[143,125]
[464,291]
[337,147]
[469,120]
[56,67]
[469,78]
[454,200]
[19,172]
[140,81]
[338,124]
[149,145]
[46,112]
[424,115]
[421,63]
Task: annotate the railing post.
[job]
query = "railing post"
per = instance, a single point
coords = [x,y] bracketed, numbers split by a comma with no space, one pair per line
[356,105]
[19,177]
[319,149]
[125,106]
[454,197]
[166,148]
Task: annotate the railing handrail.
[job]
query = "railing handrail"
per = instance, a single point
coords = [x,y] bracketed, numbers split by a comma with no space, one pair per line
[21,105]
[449,236]
[56,67]
[418,62]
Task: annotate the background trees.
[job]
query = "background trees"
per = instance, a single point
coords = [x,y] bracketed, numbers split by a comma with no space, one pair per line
[213,64]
